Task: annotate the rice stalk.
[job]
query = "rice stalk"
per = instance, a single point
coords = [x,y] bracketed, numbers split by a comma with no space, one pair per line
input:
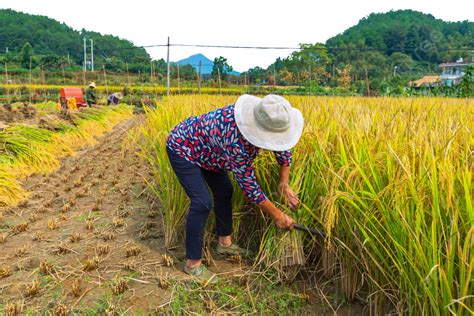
[389,178]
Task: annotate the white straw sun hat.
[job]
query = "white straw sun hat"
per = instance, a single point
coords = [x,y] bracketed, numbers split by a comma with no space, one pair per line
[269,123]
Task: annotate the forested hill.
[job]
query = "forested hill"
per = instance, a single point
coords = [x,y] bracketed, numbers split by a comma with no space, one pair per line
[418,35]
[50,37]
[396,46]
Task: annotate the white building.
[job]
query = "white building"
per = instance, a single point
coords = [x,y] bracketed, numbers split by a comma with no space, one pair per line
[453,72]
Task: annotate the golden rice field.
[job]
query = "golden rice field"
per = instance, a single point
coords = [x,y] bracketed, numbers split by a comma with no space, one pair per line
[388,179]
[27,149]
[15,89]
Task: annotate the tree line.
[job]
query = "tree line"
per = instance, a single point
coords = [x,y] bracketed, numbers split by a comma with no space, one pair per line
[380,54]
[383,52]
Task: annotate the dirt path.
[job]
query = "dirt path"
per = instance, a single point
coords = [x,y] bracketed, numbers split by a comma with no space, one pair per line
[86,231]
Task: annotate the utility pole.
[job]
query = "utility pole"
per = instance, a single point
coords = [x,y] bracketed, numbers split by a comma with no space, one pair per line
[219,77]
[105,80]
[29,94]
[6,73]
[85,55]
[6,80]
[274,76]
[151,71]
[128,79]
[310,81]
[64,75]
[199,78]
[92,54]
[178,78]
[128,74]
[30,68]
[367,81]
[168,70]
[84,73]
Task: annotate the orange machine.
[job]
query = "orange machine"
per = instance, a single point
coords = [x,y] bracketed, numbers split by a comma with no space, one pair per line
[71,98]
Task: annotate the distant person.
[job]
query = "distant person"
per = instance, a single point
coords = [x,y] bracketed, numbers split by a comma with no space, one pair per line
[114,98]
[91,95]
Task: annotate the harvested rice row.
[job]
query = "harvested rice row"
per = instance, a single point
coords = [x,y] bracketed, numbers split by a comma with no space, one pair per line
[26,149]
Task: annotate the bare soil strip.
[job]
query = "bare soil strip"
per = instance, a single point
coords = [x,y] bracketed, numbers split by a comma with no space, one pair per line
[87,230]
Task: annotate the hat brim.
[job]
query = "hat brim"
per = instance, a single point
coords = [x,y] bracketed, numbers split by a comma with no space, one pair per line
[259,137]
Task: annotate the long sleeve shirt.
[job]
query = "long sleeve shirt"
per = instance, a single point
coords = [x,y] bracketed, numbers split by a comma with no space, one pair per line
[91,96]
[113,99]
[213,142]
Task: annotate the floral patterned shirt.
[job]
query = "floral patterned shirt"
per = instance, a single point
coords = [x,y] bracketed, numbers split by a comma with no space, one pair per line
[213,142]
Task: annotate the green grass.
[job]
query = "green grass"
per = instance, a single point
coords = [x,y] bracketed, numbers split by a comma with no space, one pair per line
[259,298]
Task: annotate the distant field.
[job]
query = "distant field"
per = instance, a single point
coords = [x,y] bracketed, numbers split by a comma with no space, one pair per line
[147,93]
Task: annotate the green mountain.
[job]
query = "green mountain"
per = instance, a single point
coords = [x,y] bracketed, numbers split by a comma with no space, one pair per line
[382,53]
[206,64]
[194,60]
[421,37]
[50,37]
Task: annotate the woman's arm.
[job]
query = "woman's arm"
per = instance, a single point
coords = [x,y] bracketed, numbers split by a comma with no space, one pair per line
[281,220]
[284,159]
[246,179]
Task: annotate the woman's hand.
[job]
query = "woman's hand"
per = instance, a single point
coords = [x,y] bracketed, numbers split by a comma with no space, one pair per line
[290,197]
[283,221]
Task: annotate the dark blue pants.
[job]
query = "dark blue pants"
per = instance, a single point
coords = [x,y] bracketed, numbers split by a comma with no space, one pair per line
[195,182]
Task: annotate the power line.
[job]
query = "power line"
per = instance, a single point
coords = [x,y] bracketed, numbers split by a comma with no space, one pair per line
[203,46]
[334,48]
[235,46]
[327,47]
[330,48]
[405,49]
